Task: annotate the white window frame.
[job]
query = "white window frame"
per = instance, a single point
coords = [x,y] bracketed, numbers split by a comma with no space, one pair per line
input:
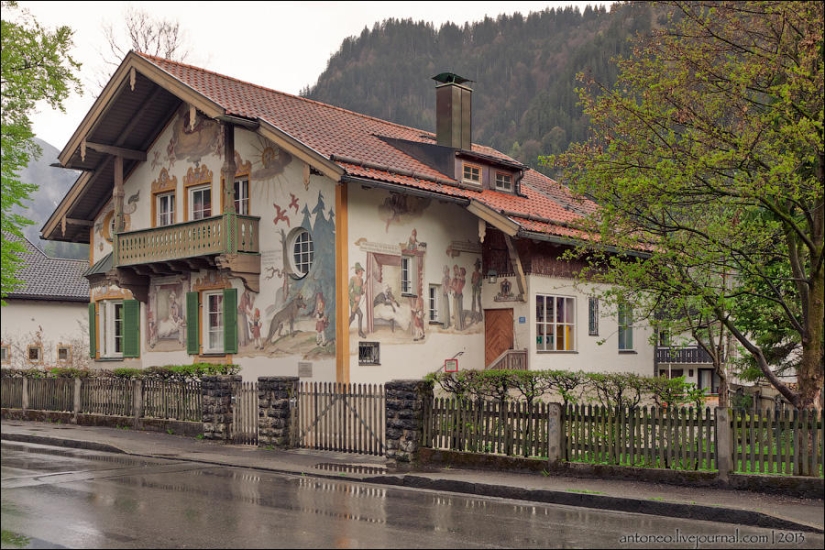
[212,330]
[555,323]
[409,276]
[434,303]
[626,341]
[471,173]
[301,252]
[112,325]
[166,216]
[504,182]
[202,213]
[241,195]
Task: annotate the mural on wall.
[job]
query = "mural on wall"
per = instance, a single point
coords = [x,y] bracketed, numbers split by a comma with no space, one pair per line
[401,209]
[194,136]
[105,226]
[165,315]
[297,317]
[270,160]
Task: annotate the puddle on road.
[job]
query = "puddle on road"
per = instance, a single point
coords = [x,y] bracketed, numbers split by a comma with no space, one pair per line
[352,468]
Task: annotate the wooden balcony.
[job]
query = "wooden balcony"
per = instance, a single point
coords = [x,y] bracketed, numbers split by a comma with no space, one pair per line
[228,242]
[682,355]
[210,236]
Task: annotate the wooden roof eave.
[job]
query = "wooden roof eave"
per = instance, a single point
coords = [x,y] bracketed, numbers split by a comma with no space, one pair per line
[300,150]
[65,206]
[493,217]
[121,79]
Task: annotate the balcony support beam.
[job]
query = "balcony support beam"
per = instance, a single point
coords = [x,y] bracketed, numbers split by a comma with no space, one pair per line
[246,267]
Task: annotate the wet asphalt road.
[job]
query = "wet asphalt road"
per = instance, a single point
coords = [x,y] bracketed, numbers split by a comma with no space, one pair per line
[56,497]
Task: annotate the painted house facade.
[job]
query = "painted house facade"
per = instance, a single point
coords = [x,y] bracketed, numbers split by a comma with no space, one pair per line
[43,323]
[232,223]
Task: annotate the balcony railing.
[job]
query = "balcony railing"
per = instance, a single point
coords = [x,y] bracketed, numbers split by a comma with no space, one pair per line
[682,355]
[511,359]
[224,234]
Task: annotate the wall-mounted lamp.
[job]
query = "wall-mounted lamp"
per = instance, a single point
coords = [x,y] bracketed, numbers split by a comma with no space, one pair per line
[492,276]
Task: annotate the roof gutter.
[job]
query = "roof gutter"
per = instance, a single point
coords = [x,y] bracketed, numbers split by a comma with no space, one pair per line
[404,190]
[567,241]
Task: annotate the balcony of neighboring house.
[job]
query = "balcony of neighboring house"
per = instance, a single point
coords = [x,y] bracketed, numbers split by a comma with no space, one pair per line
[682,355]
[229,242]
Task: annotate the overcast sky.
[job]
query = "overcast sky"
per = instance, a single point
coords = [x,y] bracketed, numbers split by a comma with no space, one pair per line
[281,45]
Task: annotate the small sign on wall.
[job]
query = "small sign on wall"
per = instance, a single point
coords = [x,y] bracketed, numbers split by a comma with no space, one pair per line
[304,370]
[451,365]
[522,320]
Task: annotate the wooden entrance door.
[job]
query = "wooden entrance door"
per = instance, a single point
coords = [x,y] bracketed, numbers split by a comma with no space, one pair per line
[498,333]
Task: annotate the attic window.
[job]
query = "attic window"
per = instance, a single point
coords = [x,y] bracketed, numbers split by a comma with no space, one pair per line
[472,174]
[504,182]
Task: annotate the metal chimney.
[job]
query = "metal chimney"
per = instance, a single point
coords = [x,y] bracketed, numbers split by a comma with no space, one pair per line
[453,111]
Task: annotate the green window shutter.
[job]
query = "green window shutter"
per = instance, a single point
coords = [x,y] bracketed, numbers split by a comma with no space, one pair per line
[92,331]
[230,320]
[192,324]
[131,328]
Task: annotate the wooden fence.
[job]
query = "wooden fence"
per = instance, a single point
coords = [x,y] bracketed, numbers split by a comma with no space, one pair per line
[674,438]
[157,399]
[768,442]
[510,428]
[347,418]
[774,442]
[172,400]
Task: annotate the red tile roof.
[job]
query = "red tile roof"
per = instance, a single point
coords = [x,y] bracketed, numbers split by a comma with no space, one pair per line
[345,137]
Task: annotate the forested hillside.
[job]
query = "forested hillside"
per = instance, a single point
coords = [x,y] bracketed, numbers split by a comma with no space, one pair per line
[523,69]
[52,185]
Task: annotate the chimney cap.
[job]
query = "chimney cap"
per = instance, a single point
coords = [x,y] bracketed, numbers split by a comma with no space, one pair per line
[450,78]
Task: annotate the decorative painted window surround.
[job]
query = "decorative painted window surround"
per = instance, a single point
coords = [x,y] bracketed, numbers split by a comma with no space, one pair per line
[197,181]
[164,186]
[242,187]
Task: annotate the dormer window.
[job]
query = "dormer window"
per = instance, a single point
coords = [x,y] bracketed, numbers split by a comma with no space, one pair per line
[472,173]
[504,182]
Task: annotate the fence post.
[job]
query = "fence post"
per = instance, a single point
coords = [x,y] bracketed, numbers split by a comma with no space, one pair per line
[277,400]
[724,443]
[405,418]
[216,392]
[24,397]
[555,434]
[78,383]
[137,400]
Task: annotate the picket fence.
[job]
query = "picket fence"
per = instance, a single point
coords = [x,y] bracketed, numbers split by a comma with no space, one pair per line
[159,399]
[762,441]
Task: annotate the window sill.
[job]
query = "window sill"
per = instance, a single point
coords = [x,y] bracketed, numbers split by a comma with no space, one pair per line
[436,323]
[408,295]
[562,351]
[628,352]
[109,359]
[369,364]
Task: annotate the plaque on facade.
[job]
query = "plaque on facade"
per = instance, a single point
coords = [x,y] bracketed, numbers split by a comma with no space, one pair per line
[304,369]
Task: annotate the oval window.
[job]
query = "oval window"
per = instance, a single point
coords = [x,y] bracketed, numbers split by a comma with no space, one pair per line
[302,251]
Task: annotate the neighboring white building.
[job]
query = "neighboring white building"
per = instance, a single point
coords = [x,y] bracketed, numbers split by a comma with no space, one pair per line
[45,322]
[236,224]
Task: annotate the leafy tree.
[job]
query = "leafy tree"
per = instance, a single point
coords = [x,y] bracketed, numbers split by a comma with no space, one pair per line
[707,155]
[36,66]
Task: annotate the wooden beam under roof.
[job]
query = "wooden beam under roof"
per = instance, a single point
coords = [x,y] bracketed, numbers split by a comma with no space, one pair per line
[117,151]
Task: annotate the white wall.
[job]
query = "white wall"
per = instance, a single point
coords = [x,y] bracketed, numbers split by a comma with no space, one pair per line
[49,324]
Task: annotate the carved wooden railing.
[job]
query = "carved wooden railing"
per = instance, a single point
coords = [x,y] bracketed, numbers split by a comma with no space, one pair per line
[682,355]
[225,234]
[511,359]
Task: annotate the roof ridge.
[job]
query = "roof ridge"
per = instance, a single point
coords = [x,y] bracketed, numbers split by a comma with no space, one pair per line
[154,58]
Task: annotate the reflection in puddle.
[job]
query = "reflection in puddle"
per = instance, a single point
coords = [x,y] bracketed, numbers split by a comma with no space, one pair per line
[352,468]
